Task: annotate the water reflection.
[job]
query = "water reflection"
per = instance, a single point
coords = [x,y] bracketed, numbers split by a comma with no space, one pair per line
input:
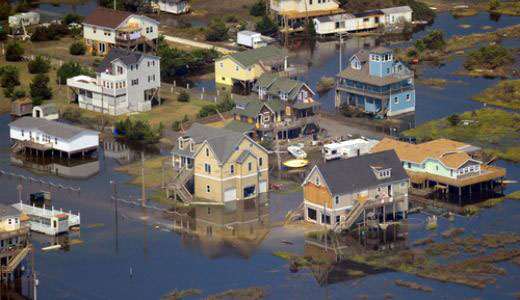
[333,253]
[74,168]
[234,229]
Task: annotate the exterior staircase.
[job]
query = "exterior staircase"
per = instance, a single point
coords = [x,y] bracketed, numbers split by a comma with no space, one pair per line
[178,184]
[13,264]
[352,216]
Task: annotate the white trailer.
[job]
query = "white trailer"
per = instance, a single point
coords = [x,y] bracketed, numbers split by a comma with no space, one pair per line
[251,39]
[24,19]
[347,149]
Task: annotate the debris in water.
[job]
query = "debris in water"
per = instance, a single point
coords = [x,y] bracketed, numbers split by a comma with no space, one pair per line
[75,242]
[53,247]
[424,241]
[95,225]
[453,232]
[413,286]
[499,240]
[254,293]
[287,242]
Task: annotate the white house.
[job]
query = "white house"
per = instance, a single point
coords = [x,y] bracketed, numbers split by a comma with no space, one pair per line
[107,28]
[369,20]
[46,111]
[125,82]
[173,6]
[50,136]
[397,15]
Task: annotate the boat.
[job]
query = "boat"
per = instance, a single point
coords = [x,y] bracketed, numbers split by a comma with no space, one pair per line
[297,152]
[296,163]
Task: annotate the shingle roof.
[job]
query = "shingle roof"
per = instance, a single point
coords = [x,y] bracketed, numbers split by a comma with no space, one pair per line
[251,57]
[239,126]
[8,211]
[49,109]
[52,128]
[275,85]
[105,17]
[244,155]
[223,142]
[356,174]
[252,107]
[380,50]
[451,153]
[127,57]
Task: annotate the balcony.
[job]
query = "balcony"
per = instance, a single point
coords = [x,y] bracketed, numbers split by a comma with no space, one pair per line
[372,93]
[288,124]
[129,36]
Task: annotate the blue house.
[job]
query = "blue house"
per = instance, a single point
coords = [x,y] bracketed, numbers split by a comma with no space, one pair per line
[377,84]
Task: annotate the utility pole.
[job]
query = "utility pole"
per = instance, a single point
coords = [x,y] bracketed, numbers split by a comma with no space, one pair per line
[34,279]
[278,155]
[115,7]
[162,179]
[143,192]
[116,214]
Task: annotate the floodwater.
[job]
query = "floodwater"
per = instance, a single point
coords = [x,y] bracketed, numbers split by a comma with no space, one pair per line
[142,258]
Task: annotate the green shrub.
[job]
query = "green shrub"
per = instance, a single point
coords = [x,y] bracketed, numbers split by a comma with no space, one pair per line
[14,52]
[69,70]
[217,31]
[138,130]
[17,94]
[39,88]
[39,65]
[207,110]
[183,96]
[3,34]
[434,40]
[50,33]
[77,48]
[5,10]
[176,125]
[489,57]
[71,18]
[310,28]
[494,4]
[9,76]
[454,120]
[231,19]
[267,26]
[258,8]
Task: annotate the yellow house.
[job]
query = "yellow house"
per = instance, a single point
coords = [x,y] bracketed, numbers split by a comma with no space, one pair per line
[293,13]
[247,66]
[223,165]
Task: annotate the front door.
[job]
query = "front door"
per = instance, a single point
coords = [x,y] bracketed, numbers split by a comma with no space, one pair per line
[390,190]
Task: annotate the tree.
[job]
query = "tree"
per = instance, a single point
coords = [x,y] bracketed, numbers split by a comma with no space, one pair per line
[137,130]
[50,33]
[258,8]
[77,48]
[454,119]
[14,52]
[489,57]
[69,70]
[176,125]
[39,65]
[494,4]
[434,40]
[3,34]
[183,96]
[5,10]
[217,31]
[17,94]
[40,89]
[9,76]
[267,26]
[72,18]
[226,104]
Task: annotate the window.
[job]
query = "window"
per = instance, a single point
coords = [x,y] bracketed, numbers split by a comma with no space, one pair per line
[207,152]
[208,188]
[22,132]
[377,20]
[222,65]
[310,2]
[131,67]
[317,180]
[337,199]
[365,20]
[249,69]
[311,214]
[396,100]
[56,141]
[207,168]
[409,165]
[387,70]
[408,97]
[232,169]
[237,68]
[9,221]
[94,29]
[338,219]
[249,166]
[379,190]
[260,161]
[437,168]
[209,209]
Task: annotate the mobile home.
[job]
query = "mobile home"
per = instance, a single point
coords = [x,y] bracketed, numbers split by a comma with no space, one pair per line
[347,149]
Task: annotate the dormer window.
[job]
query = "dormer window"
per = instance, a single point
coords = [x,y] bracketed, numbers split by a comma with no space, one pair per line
[317,180]
[382,173]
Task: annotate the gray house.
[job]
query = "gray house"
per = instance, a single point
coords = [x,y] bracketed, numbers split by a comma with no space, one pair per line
[372,187]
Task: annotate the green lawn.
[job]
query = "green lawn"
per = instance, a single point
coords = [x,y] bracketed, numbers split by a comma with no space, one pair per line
[505,94]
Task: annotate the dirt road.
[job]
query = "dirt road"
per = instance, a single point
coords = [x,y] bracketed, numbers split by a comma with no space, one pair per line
[195,44]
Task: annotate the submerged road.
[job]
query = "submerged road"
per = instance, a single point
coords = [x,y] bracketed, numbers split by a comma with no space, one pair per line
[195,44]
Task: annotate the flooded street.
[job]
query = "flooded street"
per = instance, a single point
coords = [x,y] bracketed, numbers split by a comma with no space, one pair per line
[135,253]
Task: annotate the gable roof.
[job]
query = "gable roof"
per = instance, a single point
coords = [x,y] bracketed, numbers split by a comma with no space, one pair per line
[398,9]
[363,74]
[450,153]
[126,56]
[250,57]
[276,85]
[48,109]
[8,211]
[356,174]
[253,107]
[52,128]
[105,17]
[244,155]
[239,126]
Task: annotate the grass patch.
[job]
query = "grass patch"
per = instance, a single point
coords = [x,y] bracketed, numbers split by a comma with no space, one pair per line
[505,94]
[465,12]
[176,294]
[253,293]
[453,232]
[152,172]
[413,286]
[514,195]
[496,131]
[431,226]
[511,8]
[499,240]
[434,83]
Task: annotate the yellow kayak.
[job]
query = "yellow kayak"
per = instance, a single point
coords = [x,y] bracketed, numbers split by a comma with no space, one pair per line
[296,163]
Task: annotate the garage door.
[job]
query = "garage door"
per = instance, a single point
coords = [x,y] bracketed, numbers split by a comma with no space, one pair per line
[263,186]
[230,194]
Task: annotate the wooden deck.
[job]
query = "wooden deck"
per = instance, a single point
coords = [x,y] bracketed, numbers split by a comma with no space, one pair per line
[292,14]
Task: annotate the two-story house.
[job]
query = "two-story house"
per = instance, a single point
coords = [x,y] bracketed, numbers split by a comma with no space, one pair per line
[107,28]
[223,165]
[14,241]
[175,7]
[375,83]
[444,164]
[294,13]
[372,187]
[247,66]
[126,81]
[284,107]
